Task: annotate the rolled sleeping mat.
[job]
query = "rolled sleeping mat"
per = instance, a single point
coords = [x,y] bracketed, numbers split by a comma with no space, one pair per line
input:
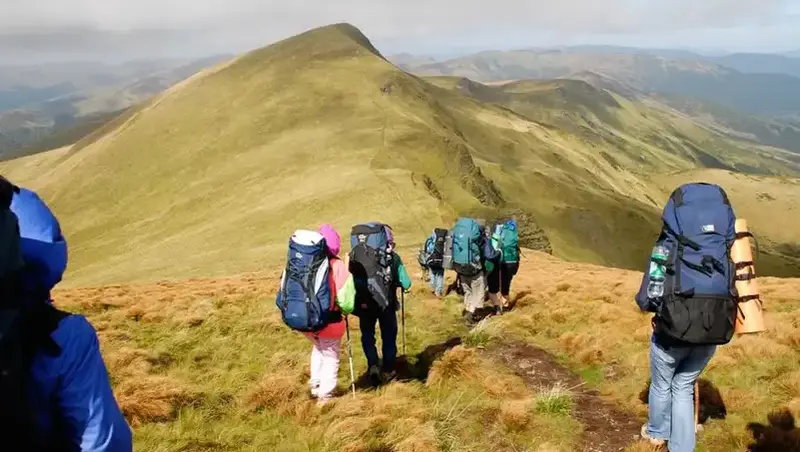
[750,315]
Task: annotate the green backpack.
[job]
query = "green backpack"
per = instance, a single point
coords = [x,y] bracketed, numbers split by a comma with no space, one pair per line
[508,242]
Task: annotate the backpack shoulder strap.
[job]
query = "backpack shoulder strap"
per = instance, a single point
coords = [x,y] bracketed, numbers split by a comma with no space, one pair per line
[47,319]
[677,197]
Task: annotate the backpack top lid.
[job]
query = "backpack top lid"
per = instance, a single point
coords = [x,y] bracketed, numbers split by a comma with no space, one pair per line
[709,210]
[374,234]
[307,238]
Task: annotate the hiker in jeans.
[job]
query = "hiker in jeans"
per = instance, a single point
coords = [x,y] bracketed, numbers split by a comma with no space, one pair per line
[328,341]
[674,370]
[371,314]
[435,269]
[688,284]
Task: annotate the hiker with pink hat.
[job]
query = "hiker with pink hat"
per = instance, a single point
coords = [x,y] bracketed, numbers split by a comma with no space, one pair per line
[328,341]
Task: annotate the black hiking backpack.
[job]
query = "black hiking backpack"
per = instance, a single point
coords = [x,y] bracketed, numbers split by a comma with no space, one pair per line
[24,332]
[436,256]
[371,262]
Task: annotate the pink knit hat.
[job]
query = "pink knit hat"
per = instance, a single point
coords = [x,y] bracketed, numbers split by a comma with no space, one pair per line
[332,239]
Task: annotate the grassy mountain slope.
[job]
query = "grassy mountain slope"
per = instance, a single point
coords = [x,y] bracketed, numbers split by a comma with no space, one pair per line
[777,132]
[759,93]
[212,176]
[76,107]
[601,117]
[190,370]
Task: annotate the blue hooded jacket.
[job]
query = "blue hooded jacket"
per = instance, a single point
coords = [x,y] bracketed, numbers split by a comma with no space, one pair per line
[71,390]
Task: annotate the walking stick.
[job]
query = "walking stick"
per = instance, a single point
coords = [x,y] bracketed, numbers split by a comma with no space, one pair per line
[403,317]
[350,356]
[696,405]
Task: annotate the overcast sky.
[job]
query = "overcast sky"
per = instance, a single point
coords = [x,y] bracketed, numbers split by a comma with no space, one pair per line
[35,30]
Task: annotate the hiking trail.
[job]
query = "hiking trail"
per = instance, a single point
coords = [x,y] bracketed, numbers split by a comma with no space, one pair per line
[606,427]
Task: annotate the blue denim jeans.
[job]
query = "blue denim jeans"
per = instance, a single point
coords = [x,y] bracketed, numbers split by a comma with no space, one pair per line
[437,280]
[673,371]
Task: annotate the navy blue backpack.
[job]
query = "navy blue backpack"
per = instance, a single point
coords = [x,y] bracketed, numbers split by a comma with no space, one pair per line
[699,302]
[305,298]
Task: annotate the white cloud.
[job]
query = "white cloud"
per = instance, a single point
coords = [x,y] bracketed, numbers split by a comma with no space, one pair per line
[58,25]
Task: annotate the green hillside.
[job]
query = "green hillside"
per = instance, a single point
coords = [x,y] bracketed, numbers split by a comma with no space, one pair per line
[212,176]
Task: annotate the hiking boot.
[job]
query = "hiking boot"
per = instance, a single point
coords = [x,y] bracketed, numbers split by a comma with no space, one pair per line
[470,319]
[660,443]
[389,376]
[374,375]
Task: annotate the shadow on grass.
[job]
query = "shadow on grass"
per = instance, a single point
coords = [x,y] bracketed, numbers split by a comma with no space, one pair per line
[419,369]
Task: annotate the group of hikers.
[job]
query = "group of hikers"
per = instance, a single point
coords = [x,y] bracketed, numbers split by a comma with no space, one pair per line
[55,389]
[485,260]
[688,285]
[318,290]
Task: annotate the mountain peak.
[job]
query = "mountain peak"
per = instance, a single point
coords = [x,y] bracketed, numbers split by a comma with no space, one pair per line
[336,40]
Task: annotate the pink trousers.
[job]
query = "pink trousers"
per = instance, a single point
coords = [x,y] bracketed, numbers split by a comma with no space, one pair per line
[324,366]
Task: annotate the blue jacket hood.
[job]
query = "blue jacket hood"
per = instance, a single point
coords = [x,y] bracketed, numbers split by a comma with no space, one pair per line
[43,247]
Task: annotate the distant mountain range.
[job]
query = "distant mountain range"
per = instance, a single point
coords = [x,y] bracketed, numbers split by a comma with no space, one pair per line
[764,104]
[52,105]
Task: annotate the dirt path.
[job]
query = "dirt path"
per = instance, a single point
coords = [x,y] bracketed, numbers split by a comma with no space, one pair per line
[606,427]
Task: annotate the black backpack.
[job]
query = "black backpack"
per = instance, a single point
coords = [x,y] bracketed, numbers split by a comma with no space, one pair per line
[436,257]
[371,263]
[24,332]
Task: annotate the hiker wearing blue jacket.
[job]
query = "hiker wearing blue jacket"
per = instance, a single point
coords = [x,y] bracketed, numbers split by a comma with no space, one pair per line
[69,398]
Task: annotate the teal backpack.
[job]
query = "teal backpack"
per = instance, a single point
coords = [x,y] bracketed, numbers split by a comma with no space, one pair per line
[509,242]
[467,247]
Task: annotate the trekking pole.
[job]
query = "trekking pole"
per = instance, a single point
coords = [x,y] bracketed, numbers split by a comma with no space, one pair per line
[696,405]
[403,317]
[350,356]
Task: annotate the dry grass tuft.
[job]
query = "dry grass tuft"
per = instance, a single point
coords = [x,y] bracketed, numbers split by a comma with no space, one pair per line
[423,440]
[152,399]
[277,392]
[458,363]
[641,446]
[515,415]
